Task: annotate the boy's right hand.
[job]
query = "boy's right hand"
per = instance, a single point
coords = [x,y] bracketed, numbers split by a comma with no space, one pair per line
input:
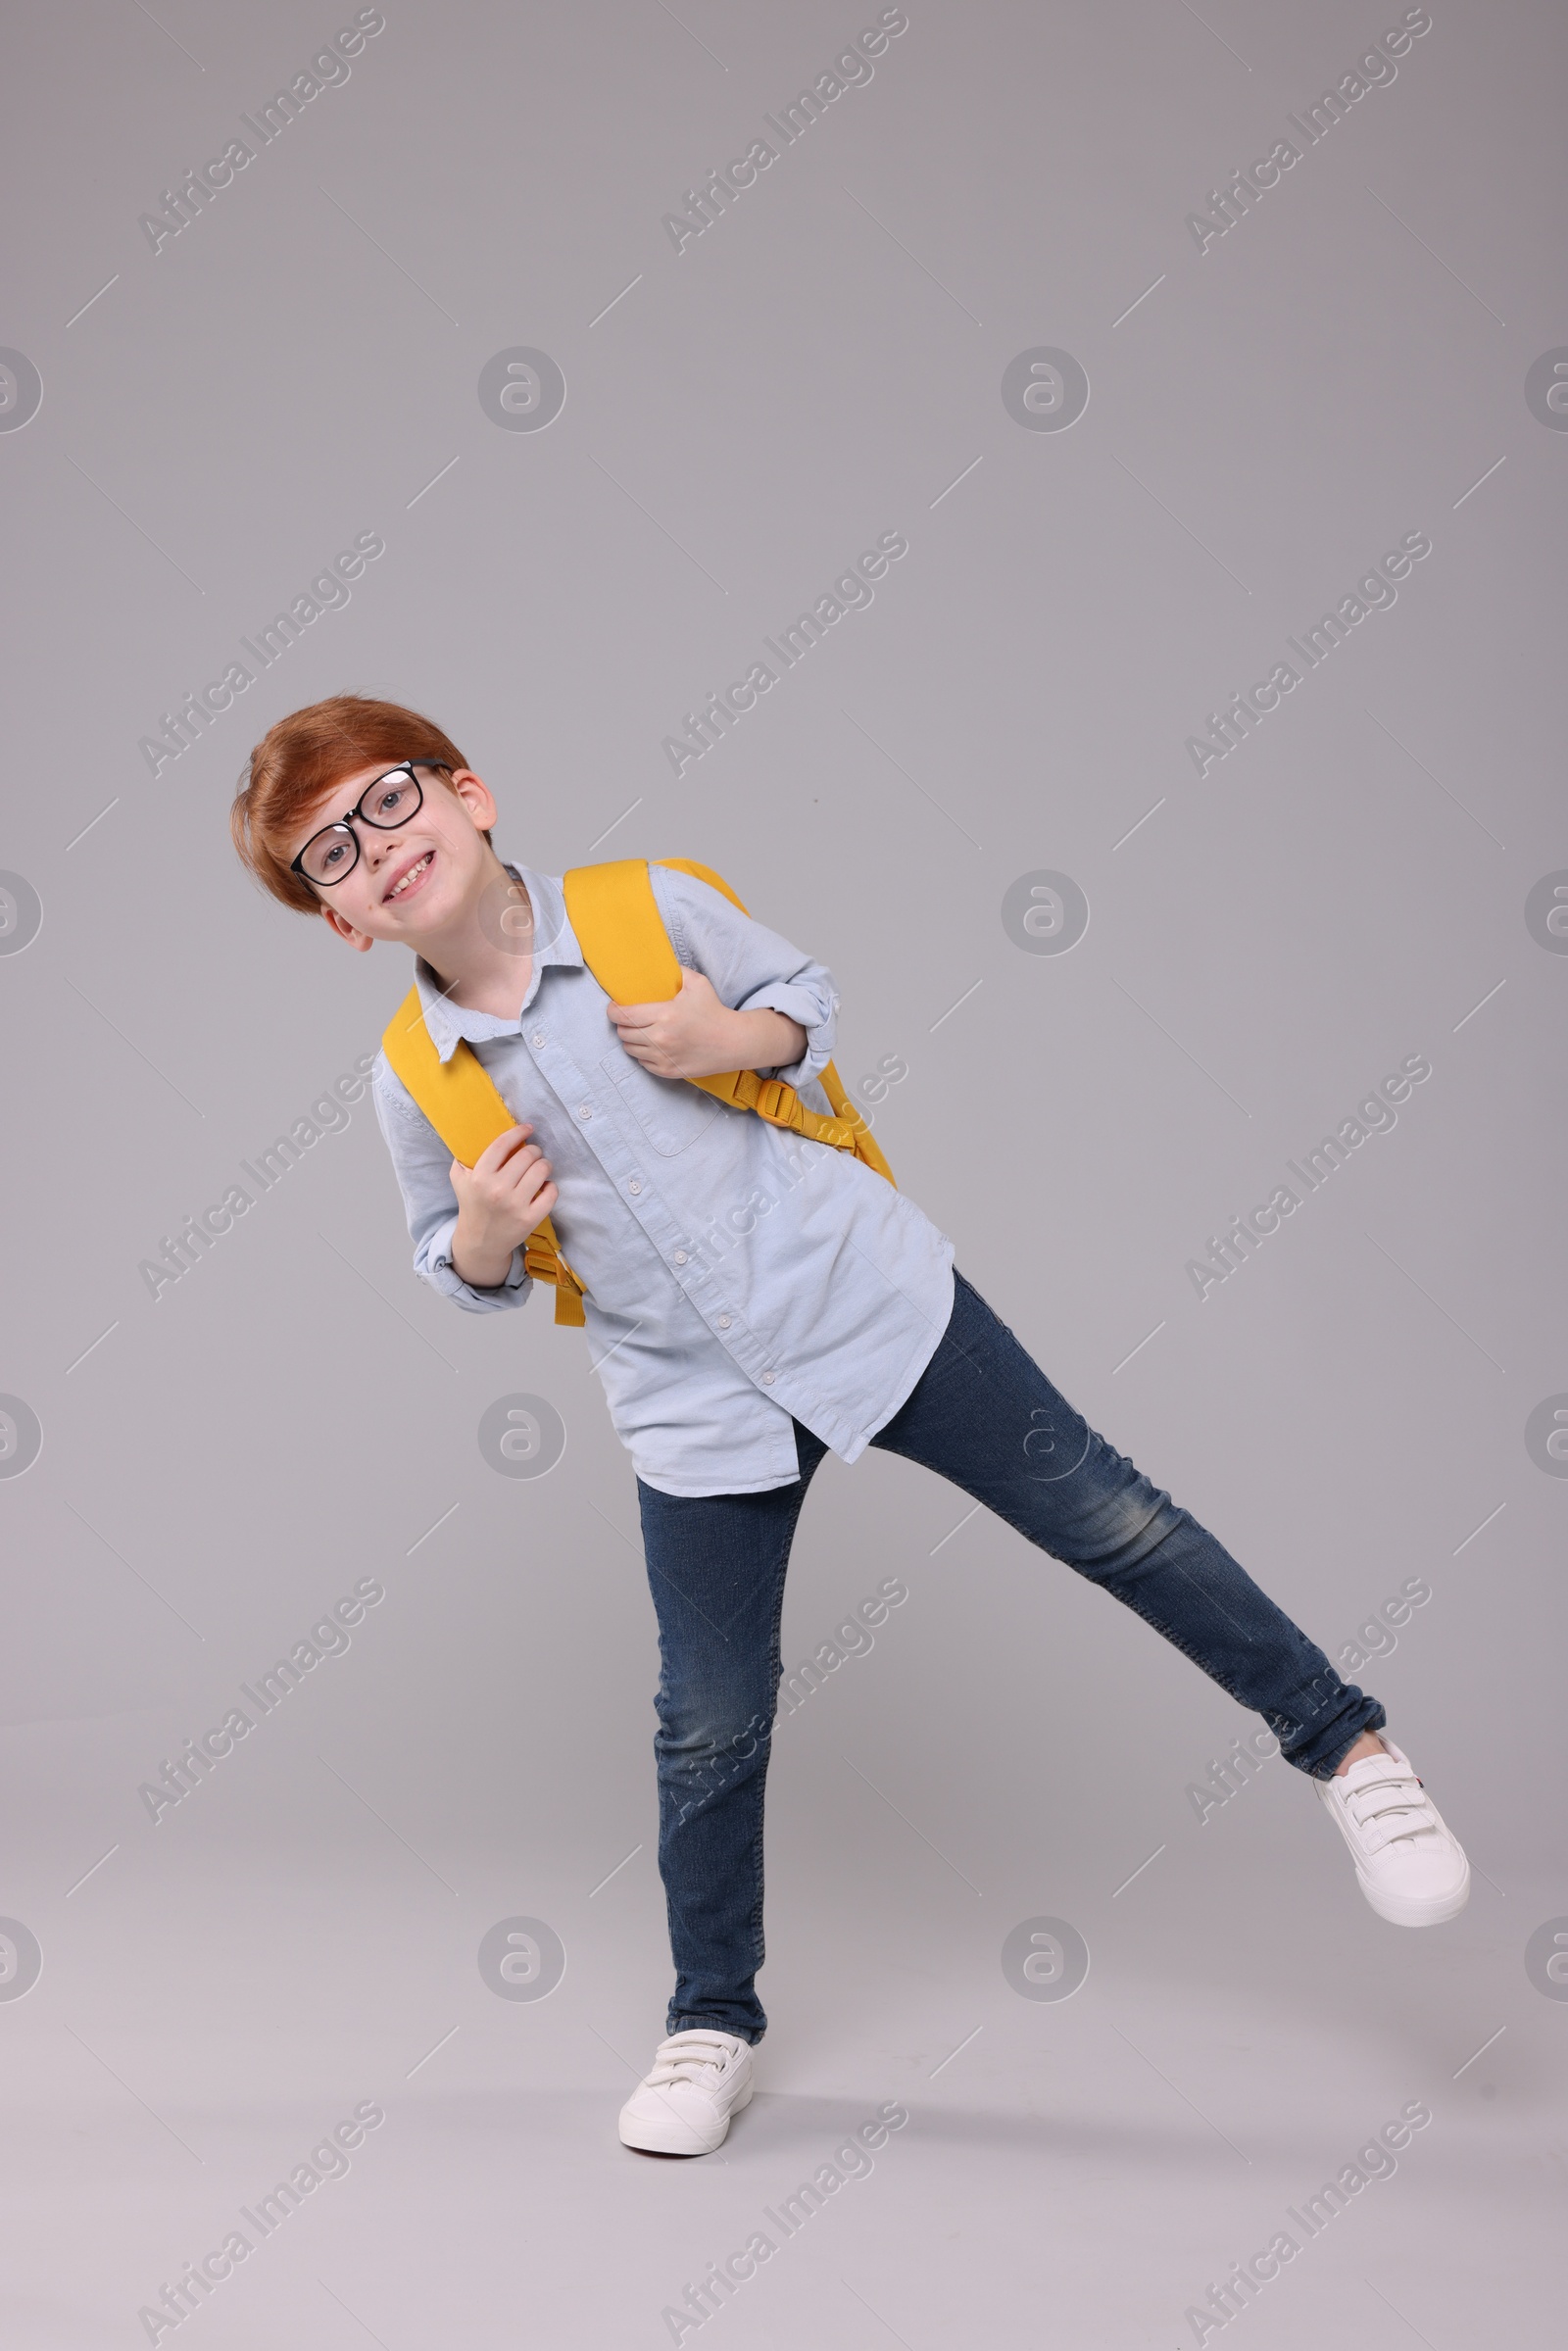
[501,1199]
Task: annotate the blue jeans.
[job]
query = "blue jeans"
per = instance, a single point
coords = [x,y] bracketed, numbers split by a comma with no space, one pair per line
[983,1415]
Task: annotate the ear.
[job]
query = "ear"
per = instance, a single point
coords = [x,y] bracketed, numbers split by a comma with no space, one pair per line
[475,796]
[345,930]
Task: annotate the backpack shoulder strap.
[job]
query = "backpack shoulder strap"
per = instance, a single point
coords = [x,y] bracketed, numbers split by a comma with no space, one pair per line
[456,1095]
[615,916]
[624,943]
[703,873]
[458,1099]
[612,910]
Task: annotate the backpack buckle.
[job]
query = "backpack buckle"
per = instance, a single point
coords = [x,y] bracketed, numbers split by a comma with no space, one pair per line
[771,1097]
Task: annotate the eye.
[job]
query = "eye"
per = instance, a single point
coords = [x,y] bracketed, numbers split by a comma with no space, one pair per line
[387,803]
[334,855]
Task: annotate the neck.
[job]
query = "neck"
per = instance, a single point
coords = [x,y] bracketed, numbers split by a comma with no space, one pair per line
[484,958]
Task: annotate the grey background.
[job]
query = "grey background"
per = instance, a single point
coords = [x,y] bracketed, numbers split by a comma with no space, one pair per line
[300,364]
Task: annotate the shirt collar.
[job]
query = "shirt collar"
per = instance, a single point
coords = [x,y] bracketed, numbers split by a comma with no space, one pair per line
[555,943]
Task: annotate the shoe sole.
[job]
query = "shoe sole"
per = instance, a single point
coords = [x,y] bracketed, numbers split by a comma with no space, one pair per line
[675,2138]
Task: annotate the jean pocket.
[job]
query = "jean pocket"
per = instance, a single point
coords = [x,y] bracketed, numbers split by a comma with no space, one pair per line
[672,1113]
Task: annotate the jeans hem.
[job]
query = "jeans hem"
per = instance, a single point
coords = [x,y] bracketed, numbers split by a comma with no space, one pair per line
[1376,1720]
[711,2023]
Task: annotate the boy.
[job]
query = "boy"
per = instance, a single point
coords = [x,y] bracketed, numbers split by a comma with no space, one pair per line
[751,1301]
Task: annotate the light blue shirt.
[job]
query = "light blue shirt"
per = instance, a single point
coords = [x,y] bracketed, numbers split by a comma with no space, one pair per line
[736,1275]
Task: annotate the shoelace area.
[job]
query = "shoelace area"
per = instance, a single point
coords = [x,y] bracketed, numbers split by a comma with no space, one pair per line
[1400,1792]
[684,2056]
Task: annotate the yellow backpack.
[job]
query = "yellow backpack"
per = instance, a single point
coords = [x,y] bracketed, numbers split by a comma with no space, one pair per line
[615,916]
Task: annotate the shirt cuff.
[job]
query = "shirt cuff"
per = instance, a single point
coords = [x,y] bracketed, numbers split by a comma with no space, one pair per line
[439,1271]
[817,1015]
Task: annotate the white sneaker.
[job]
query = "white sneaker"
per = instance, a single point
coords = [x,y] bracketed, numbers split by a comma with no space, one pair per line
[1412,1868]
[682,2106]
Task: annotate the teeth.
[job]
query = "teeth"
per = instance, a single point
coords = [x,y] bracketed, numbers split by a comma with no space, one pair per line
[412,875]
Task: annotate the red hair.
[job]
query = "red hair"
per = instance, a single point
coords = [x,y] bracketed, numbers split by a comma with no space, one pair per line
[295,765]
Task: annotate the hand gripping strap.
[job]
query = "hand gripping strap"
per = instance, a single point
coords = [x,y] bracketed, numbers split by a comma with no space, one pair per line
[462,1105]
[615,916]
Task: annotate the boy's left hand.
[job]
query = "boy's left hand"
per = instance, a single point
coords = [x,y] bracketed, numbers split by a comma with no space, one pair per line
[695,1035]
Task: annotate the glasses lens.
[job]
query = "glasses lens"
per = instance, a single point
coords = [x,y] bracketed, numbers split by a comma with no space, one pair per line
[328,858]
[391,800]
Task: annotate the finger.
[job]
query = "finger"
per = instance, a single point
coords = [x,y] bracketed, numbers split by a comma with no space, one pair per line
[638,1016]
[520,1155]
[518,1170]
[495,1153]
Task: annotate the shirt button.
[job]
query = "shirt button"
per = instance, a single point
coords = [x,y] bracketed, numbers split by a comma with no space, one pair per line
[680,1257]
[635,1185]
[585,1110]
[723,1322]
[768,1379]
[537,1038]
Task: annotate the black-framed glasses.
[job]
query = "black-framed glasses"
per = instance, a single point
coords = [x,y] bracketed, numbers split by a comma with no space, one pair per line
[390,800]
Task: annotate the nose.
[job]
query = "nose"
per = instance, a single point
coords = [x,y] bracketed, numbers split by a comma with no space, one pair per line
[377,846]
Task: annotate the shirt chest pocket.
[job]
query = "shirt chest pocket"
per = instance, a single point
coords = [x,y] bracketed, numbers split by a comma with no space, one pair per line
[670,1113]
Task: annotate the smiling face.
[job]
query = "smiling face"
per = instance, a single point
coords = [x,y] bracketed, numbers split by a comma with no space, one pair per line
[417,881]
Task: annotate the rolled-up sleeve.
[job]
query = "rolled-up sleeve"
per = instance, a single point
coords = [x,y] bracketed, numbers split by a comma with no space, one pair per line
[752,969]
[422,1165]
